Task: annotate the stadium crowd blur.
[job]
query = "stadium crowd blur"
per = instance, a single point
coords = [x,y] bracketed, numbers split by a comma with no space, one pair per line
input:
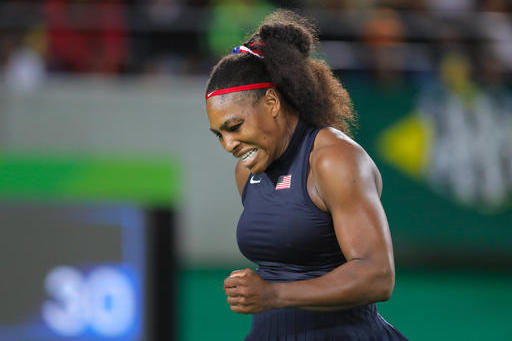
[458,54]
[387,38]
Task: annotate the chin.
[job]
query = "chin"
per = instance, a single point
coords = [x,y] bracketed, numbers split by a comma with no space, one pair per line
[257,169]
[260,166]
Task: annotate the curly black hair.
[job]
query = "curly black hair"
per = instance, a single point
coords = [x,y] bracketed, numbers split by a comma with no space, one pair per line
[287,40]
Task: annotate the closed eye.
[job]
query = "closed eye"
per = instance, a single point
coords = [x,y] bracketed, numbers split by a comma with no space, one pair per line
[216,133]
[234,128]
[226,127]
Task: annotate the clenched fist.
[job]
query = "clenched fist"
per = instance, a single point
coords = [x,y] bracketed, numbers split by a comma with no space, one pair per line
[248,293]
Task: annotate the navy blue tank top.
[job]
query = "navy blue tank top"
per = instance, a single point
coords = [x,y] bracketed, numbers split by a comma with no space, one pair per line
[280,228]
[290,239]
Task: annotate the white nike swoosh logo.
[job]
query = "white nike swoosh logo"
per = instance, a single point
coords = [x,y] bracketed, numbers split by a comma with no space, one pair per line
[255,181]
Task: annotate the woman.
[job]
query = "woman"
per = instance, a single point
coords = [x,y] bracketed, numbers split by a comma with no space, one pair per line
[312,219]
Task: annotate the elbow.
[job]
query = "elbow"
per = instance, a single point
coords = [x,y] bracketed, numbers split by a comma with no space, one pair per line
[385,283]
[387,290]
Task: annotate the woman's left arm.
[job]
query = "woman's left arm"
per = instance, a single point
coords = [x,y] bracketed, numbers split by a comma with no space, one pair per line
[347,183]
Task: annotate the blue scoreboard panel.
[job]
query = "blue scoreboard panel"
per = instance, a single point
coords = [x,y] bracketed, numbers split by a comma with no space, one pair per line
[82,272]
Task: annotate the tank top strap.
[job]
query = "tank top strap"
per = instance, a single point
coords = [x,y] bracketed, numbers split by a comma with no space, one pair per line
[307,147]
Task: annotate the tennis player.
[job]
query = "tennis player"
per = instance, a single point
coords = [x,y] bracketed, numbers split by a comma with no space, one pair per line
[312,219]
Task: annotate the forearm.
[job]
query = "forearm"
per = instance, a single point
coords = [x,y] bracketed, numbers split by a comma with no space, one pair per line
[354,283]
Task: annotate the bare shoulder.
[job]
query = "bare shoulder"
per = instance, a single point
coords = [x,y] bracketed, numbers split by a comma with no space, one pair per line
[337,158]
[241,174]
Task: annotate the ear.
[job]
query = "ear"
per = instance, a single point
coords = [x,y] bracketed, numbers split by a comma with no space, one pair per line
[272,102]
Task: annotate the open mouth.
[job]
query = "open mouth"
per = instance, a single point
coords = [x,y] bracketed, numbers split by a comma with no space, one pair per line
[249,155]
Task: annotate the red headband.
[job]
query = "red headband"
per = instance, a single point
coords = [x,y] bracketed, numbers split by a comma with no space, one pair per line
[240,88]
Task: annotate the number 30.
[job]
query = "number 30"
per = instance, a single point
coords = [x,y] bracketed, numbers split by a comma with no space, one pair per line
[103,301]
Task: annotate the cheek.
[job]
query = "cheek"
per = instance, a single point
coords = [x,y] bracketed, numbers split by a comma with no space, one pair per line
[266,142]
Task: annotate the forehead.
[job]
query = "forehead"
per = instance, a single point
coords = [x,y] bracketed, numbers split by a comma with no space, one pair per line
[223,107]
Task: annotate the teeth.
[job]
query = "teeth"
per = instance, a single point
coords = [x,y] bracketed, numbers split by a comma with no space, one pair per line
[248,155]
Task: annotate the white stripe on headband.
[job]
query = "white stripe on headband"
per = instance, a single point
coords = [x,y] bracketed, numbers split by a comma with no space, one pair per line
[245,49]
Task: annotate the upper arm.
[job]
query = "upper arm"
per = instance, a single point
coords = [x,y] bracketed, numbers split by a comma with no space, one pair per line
[348,183]
[241,174]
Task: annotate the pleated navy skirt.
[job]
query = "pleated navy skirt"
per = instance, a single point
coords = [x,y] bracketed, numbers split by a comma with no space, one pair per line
[290,324]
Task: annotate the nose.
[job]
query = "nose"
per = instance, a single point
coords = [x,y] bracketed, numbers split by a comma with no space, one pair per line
[230,143]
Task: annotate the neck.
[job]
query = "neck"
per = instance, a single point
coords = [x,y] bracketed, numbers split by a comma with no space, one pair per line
[289,124]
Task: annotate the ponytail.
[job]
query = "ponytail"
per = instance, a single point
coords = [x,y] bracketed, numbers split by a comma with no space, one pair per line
[285,41]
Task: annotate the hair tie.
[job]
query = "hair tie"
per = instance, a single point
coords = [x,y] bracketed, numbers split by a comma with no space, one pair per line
[245,49]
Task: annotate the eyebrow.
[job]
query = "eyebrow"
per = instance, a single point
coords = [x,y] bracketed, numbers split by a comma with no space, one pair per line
[225,125]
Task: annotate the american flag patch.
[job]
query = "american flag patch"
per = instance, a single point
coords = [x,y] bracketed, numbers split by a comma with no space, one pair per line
[284,181]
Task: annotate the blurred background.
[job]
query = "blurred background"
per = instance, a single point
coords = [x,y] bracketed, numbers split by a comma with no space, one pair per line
[118,208]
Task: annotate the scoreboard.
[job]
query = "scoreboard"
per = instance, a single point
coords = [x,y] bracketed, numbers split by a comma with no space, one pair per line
[95,265]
